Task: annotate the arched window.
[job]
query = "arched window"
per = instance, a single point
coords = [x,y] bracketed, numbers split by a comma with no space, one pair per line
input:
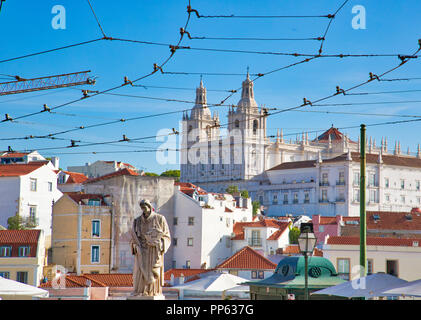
[237,123]
[208,131]
[255,126]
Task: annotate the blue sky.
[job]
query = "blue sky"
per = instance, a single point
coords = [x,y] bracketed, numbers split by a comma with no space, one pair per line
[392,27]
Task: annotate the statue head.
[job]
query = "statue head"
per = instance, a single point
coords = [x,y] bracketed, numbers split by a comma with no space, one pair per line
[146,207]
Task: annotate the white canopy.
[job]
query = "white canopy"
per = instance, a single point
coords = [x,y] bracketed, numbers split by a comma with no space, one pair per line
[213,282]
[412,289]
[370,286]
[14,288]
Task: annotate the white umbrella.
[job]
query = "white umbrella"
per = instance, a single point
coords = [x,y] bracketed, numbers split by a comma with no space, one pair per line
[412,289]
[214,282]
[14,288]
[368,287]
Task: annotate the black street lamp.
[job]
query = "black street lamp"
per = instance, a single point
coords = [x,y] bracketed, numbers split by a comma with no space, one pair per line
[306,242]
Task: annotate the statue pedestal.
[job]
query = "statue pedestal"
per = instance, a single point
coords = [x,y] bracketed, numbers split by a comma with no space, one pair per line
[161,297]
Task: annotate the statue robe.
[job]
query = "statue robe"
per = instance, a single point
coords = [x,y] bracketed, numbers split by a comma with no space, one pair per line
[150,240]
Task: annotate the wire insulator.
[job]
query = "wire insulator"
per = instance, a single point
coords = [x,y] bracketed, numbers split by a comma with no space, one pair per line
[190,10]
[373,76]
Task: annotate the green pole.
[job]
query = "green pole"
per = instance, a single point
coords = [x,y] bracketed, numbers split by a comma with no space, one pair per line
[305,276]
[363,228]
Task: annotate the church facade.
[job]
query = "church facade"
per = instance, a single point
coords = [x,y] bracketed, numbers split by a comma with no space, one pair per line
[285,176]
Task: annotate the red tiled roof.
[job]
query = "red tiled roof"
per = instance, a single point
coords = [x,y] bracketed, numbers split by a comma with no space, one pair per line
[264,223]
[19,236]
[78,196]
[14,170]
[228,210]
[327,220]
[189,188]
[317,252]
[390,220]
[335,136]
[291,249]
[186,272]
[96,280]
[75,177]
[13,155]
[373,241]
[247,258]
[122,172]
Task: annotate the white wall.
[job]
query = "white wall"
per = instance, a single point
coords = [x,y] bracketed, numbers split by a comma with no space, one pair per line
[9,198]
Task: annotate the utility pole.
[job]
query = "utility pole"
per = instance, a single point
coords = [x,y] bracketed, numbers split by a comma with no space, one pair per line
[363,228]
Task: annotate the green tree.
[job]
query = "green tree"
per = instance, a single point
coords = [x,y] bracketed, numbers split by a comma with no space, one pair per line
[244,194]
[16,223]
[256,206]
[294,233]
[232,189]
[171,173]
[151,174]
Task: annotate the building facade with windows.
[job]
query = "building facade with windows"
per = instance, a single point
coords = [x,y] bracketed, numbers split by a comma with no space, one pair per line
[22,255]
[29,190]
[203,224]
[70,181]
[82,233]
[398,257]
[100,168]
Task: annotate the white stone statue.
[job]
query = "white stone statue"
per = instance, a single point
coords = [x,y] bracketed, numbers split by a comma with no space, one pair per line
[150,240]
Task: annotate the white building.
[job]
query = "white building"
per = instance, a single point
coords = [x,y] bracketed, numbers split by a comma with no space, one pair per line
[264,236]
[100,168]
[203,224]
[399,257]
[330,187]
[29,190]
[70,181]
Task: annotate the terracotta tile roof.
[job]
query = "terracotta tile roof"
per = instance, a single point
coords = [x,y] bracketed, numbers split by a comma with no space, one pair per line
[96,280]
[327,220]
[19,236]
[122,172]
[14,170]
[186,272]
[189,188]
[291,249]
[247,258]
[335,136]
[228,210]
[294,165]
[317,252]
[265,223]
[75,177]
[373,241]
[13,155]
[390,220]
[78,196]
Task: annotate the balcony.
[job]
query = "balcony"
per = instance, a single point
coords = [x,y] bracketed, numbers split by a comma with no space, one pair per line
[295,201]
[340,199]
[340,183]
[255,242]
[31,222]
[324,183]
[323,201]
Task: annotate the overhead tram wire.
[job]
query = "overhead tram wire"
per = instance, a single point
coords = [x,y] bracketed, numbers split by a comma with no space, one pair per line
[156,69]
[96,18]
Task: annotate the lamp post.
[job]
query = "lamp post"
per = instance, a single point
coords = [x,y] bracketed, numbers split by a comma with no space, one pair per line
[306,242]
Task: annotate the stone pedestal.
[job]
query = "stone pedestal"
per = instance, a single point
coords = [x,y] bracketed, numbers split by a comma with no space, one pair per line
[161,297]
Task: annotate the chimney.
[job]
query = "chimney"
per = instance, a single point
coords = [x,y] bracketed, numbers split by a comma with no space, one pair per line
[55,162]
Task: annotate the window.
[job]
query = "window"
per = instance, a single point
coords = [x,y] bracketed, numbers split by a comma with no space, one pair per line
[373,196]
[356,178]
[5,251]
[392,267]
[255,240]
[341,177]
[190,242]
[343,268]
[356,195]
[5,274]
[33,184]
[372,179]
[50,186]
[24,251]
[417,185]
[237,123]
[306,197]
[255,126]
[254,274]
[324,195]
[175,221]
[285,198]
[94,254]
[275,199]
[22,276]
[402,184]
[94,202]
[174,242]
[33,214]
[295,198]
[386,182]
[96,228]
[321,228]
[174,264]
[324,179]
[369,266]
[191,221]
[188,264]
[261,274]
[387,197]
[402,199]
